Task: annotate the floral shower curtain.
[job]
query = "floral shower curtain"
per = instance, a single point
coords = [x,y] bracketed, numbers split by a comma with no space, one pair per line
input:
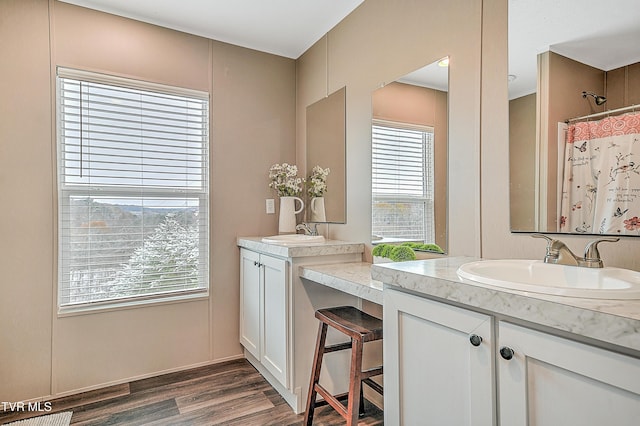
[601,186]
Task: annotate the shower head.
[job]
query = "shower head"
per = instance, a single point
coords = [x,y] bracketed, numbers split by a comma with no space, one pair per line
[599,99]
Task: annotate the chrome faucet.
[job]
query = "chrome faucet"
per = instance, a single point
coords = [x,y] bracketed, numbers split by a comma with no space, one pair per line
[559,254]
[308,228]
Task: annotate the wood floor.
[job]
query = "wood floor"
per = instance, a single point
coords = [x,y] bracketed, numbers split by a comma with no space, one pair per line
[230,393]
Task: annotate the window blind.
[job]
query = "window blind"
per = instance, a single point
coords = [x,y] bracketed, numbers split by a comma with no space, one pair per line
[133,189]
[402,181]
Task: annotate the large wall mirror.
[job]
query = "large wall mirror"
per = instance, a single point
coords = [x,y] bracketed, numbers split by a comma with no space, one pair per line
[409,158]
[574,116]
[326,148]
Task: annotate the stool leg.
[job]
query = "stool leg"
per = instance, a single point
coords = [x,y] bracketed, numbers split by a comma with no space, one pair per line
[361,405]
[315,374]
[355,382]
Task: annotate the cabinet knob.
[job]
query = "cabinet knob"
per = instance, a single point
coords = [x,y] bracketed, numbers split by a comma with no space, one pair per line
[506,352]
[255,263]
[475,340]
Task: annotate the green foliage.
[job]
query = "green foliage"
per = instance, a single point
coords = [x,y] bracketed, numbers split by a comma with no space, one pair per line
[386,252]
[378,250]
[424,247]
[382,250]
[396,253]
[402,254]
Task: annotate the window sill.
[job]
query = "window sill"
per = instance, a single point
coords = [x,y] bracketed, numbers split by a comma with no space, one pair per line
[390,240]
[110,306]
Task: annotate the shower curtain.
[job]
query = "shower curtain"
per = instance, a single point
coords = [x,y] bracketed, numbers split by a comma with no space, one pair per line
[601,184]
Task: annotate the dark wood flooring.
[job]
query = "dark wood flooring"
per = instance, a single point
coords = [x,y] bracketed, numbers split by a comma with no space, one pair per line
[229,393]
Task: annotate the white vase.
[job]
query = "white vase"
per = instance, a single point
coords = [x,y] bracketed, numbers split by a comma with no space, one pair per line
[287,220]
[317,210]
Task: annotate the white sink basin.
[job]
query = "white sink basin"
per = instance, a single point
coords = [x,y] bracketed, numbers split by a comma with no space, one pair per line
[538,277]
[293,239]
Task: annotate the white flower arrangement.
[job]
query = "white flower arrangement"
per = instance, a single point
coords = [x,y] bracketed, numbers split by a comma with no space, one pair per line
[285,180]
[317,183]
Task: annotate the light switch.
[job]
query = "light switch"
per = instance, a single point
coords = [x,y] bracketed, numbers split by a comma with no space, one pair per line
[271,206]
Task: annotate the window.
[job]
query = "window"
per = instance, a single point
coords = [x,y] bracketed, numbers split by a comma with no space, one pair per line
[133,190]
[402,182]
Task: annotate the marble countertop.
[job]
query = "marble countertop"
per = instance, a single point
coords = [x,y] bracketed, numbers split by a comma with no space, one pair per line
[611,322]
[328,247]
[353,278]
[615,322]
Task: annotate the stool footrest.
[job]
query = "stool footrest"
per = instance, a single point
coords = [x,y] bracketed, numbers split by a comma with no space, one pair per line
[374,385]
[331,400]
[370,373]
[339,397]
[337,347]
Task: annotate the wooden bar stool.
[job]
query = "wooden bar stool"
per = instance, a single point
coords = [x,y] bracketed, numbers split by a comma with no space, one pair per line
[360,327]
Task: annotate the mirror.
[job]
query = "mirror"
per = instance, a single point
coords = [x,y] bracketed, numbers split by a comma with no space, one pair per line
[557,51]
[409,158]
[326,147]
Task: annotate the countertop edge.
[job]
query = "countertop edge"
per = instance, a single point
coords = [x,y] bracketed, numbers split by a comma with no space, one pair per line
[346,277]
[329,247]
[589,318]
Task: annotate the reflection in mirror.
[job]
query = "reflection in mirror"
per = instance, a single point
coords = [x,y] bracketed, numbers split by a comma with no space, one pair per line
[574,117]
[409,158]
[326,148]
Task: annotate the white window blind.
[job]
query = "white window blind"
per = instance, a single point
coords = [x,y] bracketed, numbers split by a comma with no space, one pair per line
[133,193]
[402,182]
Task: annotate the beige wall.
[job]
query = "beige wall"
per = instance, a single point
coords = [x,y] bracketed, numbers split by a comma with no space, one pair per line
[560,86]
[405,103]
[623,88]
[26,199]
[522,152]
[376,44]
[252,127]
[326,123]
[561,82]
[497,241]
[382,40]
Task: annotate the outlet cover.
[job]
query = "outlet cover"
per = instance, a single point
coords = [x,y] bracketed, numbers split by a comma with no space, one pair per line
[271,206]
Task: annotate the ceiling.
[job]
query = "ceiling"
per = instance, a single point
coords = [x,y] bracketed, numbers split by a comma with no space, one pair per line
[282,27]
[601,33]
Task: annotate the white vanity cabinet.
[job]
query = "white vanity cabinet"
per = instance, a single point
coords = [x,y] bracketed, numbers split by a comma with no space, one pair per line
[550,380]
[263,310]
[278,327]
[438,362]
[435,375]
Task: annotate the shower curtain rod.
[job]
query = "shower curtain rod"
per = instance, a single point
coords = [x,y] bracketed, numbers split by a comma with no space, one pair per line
[598,114]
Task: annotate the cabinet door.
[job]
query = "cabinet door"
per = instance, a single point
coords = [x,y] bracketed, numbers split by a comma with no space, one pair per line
[274,332]
[554,381]
[250,311]
[434,375]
